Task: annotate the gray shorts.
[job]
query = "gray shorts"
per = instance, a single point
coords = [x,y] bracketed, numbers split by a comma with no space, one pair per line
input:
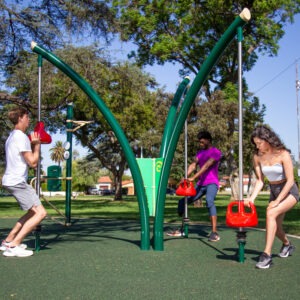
[275,190]
[25,195]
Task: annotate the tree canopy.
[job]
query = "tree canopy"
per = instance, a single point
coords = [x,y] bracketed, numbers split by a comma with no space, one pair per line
[182,32]
[125,89]
[185,31]
[51,23]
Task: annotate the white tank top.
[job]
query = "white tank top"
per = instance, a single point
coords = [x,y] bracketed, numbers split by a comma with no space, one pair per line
[274,172]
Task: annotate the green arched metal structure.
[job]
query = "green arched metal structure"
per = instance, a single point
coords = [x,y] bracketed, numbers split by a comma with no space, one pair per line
[173,128]
[208,64]
[171,118]
[135,171]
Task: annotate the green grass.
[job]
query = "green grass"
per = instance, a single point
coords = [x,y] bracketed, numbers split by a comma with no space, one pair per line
[106,208]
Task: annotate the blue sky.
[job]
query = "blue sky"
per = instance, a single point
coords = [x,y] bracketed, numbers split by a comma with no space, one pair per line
[273,80]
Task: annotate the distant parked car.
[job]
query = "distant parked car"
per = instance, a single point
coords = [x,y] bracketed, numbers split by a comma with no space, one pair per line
[106,192]
[170,191]
[93,191]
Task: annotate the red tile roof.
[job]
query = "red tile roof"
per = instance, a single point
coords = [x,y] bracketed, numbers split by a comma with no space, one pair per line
[104,179]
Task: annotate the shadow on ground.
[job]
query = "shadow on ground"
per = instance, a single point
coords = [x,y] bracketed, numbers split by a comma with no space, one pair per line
[101,259]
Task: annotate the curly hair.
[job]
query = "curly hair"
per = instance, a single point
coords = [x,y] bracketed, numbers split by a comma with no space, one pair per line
[265,133]
[204,135]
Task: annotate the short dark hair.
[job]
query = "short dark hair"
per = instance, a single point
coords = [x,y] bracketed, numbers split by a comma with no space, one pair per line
[203,134]
[16,113]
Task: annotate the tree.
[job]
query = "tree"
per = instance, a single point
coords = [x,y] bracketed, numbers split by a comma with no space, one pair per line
[75,154]
[47,22]
[85,173]
[5,129]
[185,31]
[181,32]
[125,89]
[57,152]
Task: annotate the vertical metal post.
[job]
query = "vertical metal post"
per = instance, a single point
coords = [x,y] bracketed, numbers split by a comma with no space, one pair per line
[298,117]
[37,231]
[38,170]
[69,163]
[186,218]
[241,232]
[241,185]
[37,234]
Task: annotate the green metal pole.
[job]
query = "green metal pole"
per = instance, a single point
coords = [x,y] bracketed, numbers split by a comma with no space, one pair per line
[37,235]
[172,116]
[242,252]
[38,169]
[135,171]
[189,99]
[70,115]
[241,240]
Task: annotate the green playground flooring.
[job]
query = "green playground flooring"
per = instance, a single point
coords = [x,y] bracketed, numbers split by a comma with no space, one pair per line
[102,259]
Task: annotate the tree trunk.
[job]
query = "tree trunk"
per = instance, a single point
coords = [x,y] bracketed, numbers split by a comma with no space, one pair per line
[118,174]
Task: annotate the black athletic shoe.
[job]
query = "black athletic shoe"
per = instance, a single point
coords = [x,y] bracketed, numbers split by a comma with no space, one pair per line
[264,262]
[286,250]
[214,237]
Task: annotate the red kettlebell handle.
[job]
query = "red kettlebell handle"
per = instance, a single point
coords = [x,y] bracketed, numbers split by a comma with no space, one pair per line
[241,218]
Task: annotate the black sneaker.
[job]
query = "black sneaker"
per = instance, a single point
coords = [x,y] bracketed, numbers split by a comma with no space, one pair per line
[264,262]
[214,237]
[286,250]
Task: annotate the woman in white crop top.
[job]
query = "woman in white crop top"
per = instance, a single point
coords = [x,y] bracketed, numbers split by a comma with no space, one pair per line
[273,161]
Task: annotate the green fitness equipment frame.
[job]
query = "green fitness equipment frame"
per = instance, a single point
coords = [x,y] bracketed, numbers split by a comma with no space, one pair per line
[208,64]
[173,128]
[36,232]
[241,233]
[69,163]
[95,98]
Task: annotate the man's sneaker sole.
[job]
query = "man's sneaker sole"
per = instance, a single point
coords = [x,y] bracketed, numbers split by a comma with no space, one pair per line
[17,252]
[3,247]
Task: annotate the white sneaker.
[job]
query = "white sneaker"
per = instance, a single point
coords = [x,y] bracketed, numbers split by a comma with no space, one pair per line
[5,245]
[176,233]
[17,251]
[2,247]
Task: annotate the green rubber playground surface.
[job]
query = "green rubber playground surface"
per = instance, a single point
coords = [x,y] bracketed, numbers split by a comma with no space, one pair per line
[101,259]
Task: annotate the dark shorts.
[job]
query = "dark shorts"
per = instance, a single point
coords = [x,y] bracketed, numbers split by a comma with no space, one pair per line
[275,190]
